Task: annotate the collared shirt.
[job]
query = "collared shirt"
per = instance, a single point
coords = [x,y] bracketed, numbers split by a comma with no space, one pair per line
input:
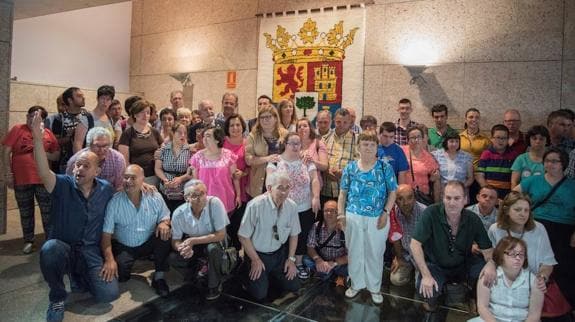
[133,226]
[78,220]
[432,231]
[566,145]
[473,145]
[260,218]
[212,218]
[340,150]
[486,220]
[452,169]
[335,248]
[356,129]
[496,167]
[537,241]
[112,167]
[174,166]
[401,132]
[520,145]
[406,226]
[393,154]
[436,138]
[511,303]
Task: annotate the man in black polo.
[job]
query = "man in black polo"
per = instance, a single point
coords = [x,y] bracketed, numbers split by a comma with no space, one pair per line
[441,245]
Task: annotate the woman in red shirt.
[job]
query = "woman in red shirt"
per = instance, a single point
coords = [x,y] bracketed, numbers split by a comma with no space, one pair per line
[23,176]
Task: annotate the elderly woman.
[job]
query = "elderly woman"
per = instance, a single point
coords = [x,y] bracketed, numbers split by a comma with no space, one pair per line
[287,114]
[454,164]
[262,147]
[197,228]
[23,177]
[215,166]
[554,207]
[530,163]
[366,196]
[172,165]
[312,147]
[139,142]
[423,167]
[515,296]
[184,116]
[304,191]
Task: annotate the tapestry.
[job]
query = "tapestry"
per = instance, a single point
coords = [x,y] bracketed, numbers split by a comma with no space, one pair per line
[316,59]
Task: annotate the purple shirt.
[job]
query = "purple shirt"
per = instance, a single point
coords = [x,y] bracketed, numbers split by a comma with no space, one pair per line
[113,167]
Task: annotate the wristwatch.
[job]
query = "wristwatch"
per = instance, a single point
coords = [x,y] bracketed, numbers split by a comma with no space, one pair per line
[292,258]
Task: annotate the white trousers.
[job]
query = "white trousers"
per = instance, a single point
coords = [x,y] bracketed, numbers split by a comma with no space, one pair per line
[365,247]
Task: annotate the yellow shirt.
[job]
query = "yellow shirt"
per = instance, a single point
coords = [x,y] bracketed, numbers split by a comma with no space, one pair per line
[340,151]
[474,146]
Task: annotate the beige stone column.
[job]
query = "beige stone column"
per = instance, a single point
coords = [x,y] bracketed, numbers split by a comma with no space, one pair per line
[6,22]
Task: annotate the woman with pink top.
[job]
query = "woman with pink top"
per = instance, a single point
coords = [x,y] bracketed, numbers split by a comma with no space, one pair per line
[312,147]
[234,127]
[216,166]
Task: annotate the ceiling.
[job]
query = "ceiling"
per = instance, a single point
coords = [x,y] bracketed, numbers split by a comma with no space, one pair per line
[33,8]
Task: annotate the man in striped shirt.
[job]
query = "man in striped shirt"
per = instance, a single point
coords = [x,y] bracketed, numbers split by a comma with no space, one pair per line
[140,224]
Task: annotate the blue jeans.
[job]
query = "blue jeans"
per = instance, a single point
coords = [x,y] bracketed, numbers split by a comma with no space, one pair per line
[57,259]
[468,273]
[340,270]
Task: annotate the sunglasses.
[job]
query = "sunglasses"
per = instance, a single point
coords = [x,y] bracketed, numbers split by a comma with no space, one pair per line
[275,230]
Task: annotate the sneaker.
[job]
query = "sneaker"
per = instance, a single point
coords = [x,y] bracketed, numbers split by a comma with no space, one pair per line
[351,293]
[28,248]
[161,287]
[55,312]
[302,272]
[214,293]
[377,298]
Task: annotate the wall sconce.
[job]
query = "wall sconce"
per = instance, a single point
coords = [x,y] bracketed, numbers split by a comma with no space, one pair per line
[415,71]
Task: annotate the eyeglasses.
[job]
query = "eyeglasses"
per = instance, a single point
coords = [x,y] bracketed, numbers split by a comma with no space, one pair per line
[515,255]
[195,196]
[416,138]
[275,230]
[294,144]
[511,121]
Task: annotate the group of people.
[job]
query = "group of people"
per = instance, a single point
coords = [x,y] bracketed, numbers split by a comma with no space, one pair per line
[299,197]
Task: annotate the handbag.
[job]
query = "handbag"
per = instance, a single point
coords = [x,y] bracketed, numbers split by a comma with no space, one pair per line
[230,253]
[554,303]
[420,196]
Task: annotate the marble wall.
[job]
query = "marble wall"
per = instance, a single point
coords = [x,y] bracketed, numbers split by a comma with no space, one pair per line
[6,21]
[489,54]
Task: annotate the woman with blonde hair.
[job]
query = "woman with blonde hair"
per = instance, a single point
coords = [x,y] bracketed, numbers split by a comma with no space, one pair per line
[287,114]
[262,147]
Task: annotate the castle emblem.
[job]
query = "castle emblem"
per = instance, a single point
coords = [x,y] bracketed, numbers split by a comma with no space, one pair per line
[310,61]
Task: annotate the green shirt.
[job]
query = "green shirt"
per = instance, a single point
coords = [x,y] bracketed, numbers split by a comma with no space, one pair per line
[432,231]
[436,139]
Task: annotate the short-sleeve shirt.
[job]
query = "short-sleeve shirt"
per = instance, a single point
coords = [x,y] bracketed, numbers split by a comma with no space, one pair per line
[20,140]
[217,176]
[78,220]
[496,167]
[340,151]
[539,251]
[142,147]
[432,231]
[133,226]
[69,122]
[262,215]
[111,168]
[452,169]
[393,154]
[335,248]
[406,227]
[527,167]
[474,146]
[184,222]
[300,180]
[174,166]
[367,191]
[423,166]
[560,207]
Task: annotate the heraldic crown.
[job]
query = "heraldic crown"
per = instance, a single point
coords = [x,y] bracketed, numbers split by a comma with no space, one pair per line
[309,44]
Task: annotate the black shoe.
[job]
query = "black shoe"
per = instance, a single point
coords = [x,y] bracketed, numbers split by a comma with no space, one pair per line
[161,287]
[214,293]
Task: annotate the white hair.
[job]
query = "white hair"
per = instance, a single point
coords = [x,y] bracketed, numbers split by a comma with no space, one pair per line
[274,178]
[192,184]
[97,132]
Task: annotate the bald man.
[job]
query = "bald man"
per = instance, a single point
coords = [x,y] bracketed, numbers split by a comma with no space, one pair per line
[404,216]
[140,224]
[73,246]
[512,120]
